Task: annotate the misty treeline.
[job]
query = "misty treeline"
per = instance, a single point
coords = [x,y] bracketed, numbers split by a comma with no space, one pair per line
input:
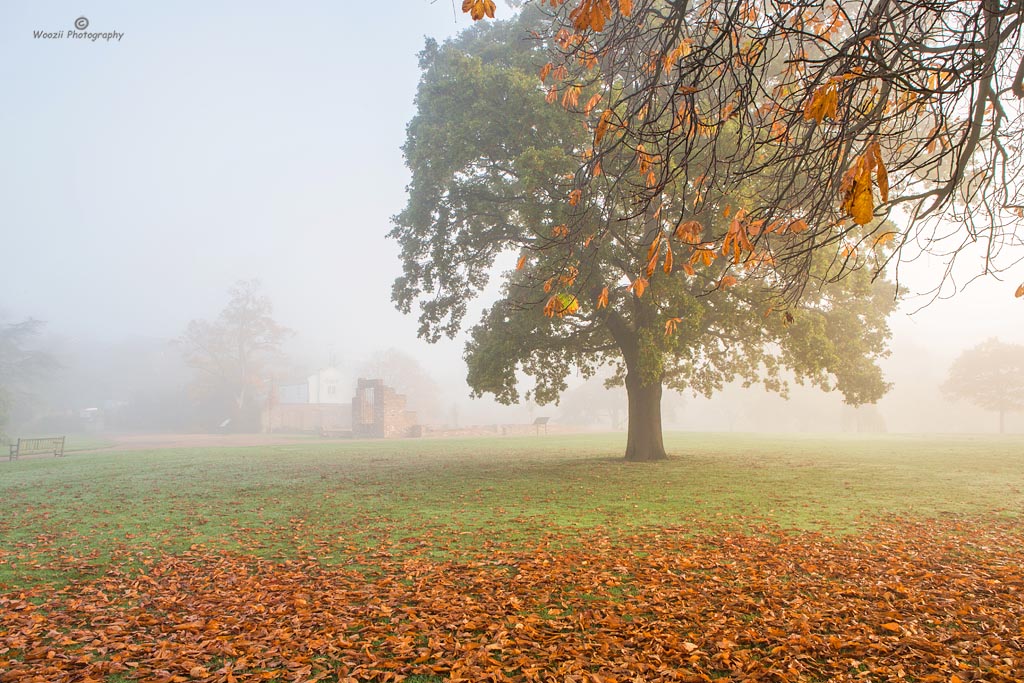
[52,383]
[218,375]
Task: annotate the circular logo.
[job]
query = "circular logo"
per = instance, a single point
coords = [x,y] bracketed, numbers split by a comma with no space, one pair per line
[81,23]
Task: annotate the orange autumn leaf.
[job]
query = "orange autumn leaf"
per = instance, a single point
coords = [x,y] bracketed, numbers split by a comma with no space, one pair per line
[568,278]
[856,192]
[602,126]
[591,14]
[478,9]
[702,255]
[823,103]
[652,265]
[638,286]
[1020,291]
[884,238]
[561,305]
[671,324]
[689,232]
[522,262]
[652,250]
[571,97]
[856,187]
[736,241]
[574,197]
[602,299]
[881,174]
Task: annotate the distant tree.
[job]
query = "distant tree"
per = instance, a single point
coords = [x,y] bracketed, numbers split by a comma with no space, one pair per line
[19,364]
[406,375]
[991,376]
[663,307]
[233,354]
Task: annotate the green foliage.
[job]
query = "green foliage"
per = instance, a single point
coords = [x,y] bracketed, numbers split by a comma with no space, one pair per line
[483,155]
[492,167]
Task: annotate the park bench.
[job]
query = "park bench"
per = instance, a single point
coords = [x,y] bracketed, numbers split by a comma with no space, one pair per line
[50,444]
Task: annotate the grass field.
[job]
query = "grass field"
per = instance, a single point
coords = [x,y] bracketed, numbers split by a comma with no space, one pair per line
[364,512]
[291,501]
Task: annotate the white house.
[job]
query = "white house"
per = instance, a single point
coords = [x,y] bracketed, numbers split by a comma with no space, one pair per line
[323,403]
[329,386]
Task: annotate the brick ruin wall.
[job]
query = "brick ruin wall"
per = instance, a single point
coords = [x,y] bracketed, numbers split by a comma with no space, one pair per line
[379,412]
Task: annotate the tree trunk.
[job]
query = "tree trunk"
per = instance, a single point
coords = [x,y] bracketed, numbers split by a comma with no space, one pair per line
[643,440]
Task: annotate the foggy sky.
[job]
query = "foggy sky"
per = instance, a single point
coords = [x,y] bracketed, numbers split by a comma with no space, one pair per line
[218,141]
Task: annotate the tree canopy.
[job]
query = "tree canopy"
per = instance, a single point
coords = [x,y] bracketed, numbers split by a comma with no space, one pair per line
[842,110]
[991,376]
[662,307]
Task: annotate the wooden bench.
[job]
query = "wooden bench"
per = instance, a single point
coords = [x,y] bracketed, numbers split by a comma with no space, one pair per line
[50,444]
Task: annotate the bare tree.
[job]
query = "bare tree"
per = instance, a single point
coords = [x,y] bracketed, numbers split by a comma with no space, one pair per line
[812,117]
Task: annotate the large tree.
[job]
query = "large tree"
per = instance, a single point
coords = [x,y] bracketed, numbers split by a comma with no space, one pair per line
[991,376]
[234,354]
[492,164]
[856,107]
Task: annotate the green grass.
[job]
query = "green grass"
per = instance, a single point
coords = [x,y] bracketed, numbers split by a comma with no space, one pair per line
[73,517]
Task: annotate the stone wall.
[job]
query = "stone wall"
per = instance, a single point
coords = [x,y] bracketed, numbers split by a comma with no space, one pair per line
[378,412]
[318,418]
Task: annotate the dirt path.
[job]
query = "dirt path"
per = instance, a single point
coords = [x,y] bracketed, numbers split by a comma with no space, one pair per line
[149,442]
[141,442]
